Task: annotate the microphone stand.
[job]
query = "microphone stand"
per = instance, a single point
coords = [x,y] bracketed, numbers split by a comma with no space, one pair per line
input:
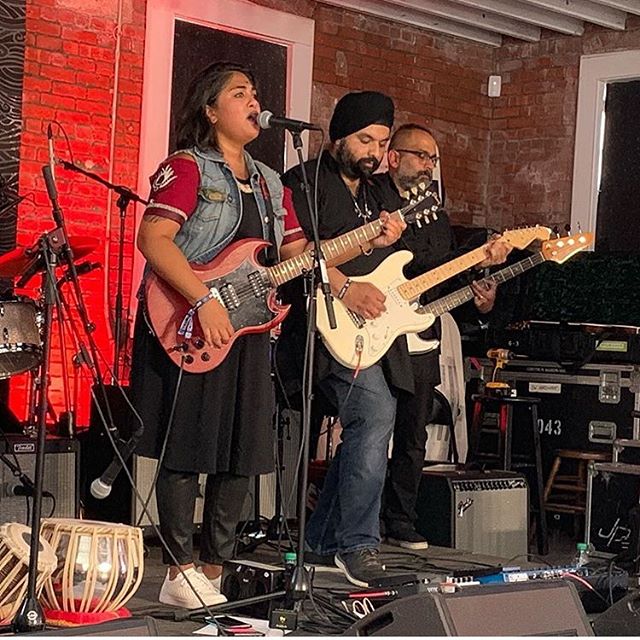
[300,582]
[125,197]
[30,615]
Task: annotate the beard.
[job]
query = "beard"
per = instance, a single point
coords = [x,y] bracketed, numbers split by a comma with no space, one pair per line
[355,168]
[408,181]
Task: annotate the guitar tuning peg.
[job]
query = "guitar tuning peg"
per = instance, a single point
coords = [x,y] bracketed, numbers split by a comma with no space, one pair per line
[556,231]
[418,223]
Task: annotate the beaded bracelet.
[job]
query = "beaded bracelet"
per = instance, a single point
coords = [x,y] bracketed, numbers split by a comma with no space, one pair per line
[344,289]
[186,328]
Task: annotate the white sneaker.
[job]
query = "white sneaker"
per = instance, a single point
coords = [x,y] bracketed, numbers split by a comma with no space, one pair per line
[178,593]
[216,583]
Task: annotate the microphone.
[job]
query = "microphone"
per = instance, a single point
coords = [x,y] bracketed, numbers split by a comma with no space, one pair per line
[101,487]
[81,269]
[25,488]
[266,120]
[87,267]
[50,183]
[52,158]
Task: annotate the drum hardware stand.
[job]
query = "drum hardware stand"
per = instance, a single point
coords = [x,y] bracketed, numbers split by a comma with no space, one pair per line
[125,196]
[30,616]
[298,588]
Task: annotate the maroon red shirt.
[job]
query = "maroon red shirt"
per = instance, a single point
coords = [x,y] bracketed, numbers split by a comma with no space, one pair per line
[174,195]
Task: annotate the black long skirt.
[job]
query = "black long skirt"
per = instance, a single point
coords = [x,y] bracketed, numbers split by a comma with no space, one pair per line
[223,420]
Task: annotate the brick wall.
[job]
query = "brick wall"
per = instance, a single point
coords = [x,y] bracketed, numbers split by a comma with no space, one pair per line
[72,72]
[533,124]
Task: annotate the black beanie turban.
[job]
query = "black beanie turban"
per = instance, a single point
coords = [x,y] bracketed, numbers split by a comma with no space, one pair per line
[355,111]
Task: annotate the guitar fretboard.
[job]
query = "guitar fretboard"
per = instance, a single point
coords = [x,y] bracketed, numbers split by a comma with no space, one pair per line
[296,266]
[412,289]
[459,297]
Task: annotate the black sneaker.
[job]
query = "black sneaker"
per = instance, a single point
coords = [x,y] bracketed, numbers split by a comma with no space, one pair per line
[409,539]
[361,567]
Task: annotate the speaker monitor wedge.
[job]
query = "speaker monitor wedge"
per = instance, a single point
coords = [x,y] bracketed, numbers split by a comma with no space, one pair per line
[521,609]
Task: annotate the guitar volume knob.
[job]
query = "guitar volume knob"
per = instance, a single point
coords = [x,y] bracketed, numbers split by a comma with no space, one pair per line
[198,343]
[206,356]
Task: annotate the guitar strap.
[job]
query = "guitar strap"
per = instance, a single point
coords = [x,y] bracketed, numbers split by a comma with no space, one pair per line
[272,253]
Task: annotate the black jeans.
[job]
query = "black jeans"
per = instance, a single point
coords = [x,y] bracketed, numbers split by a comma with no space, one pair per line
[409,441]
[224,500]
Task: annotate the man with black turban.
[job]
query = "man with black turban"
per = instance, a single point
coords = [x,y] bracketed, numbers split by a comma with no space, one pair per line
[345,525]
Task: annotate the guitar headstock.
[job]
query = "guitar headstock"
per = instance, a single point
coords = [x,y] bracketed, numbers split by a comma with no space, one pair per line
[423,204]
[561,249]
[521,238]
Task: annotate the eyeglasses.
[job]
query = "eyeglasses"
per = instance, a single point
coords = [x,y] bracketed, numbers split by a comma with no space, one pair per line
[423,155]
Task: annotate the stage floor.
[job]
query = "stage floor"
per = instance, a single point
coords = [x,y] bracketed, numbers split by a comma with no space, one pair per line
[434,563]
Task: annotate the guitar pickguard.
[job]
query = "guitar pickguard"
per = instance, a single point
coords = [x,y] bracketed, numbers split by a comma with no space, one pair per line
[246,294]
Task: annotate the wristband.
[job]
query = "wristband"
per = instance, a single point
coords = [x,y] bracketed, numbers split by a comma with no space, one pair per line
[186,328]
[344,289]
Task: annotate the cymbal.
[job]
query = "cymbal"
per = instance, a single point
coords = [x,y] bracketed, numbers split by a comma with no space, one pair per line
[15,262]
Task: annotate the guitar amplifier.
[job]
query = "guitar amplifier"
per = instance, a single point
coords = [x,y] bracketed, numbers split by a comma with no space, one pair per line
[479,511]
[61,466]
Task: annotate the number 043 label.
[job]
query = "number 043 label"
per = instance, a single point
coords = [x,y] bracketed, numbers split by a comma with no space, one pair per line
[551,427]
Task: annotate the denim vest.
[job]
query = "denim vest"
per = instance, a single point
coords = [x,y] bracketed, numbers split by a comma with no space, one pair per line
[215,221]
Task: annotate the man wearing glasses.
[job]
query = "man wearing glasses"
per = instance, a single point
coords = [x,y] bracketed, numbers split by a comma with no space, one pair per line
[412,158]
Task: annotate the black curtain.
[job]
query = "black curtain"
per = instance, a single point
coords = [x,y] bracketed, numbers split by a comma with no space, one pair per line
[196,46]
[618,226]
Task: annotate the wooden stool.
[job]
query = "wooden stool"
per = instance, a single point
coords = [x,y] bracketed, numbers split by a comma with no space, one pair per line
[566,492]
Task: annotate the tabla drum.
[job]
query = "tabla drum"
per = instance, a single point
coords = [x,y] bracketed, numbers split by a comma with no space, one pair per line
[20,340]
[100,565]
[15,543]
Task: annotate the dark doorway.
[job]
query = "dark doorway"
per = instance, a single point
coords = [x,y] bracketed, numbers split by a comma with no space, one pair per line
[196,46]
[618,226]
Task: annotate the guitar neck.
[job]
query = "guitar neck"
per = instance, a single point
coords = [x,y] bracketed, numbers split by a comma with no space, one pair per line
[412,289]
[332,249]
[459,297]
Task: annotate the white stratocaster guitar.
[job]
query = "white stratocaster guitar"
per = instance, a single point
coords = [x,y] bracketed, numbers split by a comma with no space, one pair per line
[358,343]
[558,251]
